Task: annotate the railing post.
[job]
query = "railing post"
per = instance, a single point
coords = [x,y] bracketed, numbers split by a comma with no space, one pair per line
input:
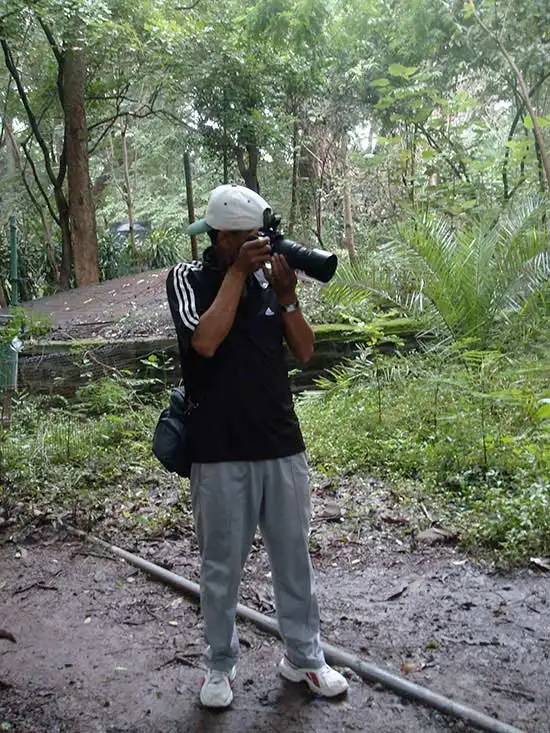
[14,269]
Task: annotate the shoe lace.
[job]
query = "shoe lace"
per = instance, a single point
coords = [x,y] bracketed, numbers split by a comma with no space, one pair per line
[325,672]
[216,677]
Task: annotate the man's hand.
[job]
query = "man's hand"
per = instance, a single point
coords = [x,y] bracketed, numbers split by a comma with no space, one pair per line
[282,279]
[253,255]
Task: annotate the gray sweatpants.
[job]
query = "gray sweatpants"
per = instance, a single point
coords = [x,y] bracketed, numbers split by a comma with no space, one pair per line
[230,500]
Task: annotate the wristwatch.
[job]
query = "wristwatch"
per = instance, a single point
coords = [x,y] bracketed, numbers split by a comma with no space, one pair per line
[290,308]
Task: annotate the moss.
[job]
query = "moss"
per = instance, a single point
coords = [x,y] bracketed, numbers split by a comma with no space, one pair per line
[404,327]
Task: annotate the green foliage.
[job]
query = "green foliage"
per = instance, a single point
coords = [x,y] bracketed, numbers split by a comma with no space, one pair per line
[105,396]
[23,324]
[470,282]
[470,428]
[424,96]
[162,247]
[86,461]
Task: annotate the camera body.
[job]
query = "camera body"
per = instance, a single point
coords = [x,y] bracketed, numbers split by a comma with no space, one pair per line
[314,262]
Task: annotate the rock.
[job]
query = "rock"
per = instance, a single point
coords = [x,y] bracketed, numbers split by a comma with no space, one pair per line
[436,535]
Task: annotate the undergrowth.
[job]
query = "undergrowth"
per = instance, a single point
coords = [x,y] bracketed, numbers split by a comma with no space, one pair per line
[468,434]
[87,460]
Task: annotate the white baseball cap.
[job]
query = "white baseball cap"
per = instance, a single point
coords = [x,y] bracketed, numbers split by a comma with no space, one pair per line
[231,208]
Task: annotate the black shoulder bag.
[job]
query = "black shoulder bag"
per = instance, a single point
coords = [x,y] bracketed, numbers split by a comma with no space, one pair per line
[170,436]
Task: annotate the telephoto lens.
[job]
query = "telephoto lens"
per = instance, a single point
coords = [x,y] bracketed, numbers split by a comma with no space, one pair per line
[316,263]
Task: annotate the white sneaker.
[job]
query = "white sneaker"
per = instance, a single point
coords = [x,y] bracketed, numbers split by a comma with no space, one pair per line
[216,689]
[324,681]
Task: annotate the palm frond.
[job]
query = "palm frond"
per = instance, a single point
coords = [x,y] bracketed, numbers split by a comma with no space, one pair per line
[465,282]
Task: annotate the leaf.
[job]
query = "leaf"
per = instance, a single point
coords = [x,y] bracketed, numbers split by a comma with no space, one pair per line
[403,72]
[543,412]
[380,83]
[409,667]
[542,121]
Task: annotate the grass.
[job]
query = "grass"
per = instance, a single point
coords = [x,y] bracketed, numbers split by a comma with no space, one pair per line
[467,436]
[88,461]
[470,439]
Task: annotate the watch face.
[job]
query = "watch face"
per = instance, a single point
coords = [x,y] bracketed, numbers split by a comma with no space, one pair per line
[290,308]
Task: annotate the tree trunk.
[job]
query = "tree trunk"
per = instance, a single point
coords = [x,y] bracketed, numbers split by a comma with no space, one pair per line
[50,251]
[81,209]
[249,172]
[66,243]
[225,144]
[128,193]
[349,240]
[307,175]
[294,191]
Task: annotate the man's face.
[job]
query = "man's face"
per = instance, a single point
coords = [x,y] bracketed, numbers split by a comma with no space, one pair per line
[229,244]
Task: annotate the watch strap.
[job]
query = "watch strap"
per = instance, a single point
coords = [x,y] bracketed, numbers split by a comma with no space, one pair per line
[291,307]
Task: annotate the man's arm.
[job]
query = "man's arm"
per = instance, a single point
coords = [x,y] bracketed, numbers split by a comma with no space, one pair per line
[298,333]
[215,323]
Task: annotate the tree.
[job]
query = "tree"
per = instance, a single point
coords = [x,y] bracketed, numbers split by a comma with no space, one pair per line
[74,214]
[81,207]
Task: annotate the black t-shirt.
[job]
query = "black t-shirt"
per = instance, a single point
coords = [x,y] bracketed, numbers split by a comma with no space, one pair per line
[240,403]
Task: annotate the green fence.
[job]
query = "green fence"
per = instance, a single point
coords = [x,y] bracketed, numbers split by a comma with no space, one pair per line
[8,367]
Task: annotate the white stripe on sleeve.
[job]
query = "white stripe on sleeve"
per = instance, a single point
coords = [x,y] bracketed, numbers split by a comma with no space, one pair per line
[187,306]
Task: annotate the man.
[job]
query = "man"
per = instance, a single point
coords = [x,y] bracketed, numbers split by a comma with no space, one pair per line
[247,452]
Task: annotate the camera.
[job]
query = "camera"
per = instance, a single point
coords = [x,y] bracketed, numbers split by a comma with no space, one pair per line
[316,263]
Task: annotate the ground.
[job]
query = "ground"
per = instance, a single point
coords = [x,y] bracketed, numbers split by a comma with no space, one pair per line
[128,306]
[102,648]
[132,306]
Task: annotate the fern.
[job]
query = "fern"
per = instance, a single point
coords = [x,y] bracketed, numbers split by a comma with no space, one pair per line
[466,283]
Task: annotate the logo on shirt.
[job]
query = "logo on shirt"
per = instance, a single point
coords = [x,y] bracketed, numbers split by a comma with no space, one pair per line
[269,312]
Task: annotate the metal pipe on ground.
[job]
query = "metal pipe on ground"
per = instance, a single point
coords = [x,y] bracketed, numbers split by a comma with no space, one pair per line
[334,654]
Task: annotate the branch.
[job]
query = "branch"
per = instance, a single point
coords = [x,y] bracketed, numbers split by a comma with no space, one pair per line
[523,91]
[118,115]
[39,184]
[30,114]
[187,7]
[111,121]
[460,170]
[51,40]
[62,162]
[513,126]
[59,57]
[105,132]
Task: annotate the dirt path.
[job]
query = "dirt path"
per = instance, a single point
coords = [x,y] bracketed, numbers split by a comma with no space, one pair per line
[101,648]
[129,306]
